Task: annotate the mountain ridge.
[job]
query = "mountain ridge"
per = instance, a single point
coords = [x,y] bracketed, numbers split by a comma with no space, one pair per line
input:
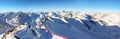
[59,25]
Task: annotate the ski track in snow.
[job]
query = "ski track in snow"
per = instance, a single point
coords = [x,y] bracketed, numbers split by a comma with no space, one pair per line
[59,25]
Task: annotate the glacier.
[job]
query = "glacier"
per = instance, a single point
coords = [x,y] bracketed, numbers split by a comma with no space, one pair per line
[59,25]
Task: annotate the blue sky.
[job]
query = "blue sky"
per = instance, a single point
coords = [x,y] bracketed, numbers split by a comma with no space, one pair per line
[54,5]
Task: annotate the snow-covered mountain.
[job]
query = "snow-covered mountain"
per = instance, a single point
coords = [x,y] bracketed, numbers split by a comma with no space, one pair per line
[59,25]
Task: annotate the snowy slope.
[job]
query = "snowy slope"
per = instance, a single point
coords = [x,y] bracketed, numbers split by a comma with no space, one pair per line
[59,25]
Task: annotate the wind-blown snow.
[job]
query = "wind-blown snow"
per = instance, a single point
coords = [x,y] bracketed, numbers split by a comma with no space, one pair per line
[59,25]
